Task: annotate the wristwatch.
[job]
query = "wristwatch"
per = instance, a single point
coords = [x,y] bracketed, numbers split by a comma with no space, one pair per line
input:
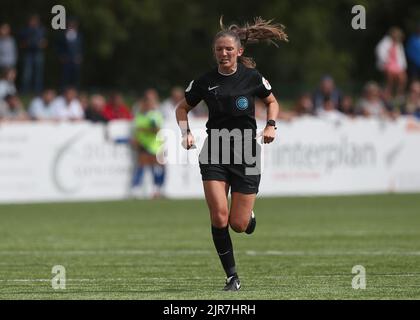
[272,123]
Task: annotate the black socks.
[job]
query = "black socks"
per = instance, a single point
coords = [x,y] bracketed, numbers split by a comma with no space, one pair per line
[223,244]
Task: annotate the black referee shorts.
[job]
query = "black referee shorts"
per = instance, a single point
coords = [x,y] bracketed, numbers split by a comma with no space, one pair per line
[242,177]
[234,174]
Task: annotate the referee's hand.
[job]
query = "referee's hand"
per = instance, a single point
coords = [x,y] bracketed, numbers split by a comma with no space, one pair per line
[187,141]
[269,134]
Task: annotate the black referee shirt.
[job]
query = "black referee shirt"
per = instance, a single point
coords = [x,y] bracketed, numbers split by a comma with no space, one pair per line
[229,98]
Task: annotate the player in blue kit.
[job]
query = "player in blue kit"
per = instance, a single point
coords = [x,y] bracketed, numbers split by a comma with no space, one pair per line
[229,91]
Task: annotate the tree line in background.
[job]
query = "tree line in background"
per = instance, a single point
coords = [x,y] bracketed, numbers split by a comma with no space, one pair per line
[132,45]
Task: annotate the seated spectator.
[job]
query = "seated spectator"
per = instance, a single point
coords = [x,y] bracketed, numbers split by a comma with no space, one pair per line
[84,100]
[388,100]
[95,109]
[11,109]
[67,106]
[329,112]
[326,91]
[371,104]
[391,61]
[347,106]
[303,106]
[169,105]
[7,82]
[411,106]
[40,108]
[116,109]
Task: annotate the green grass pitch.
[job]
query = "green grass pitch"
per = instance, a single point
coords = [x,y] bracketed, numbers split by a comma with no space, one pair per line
[303,248]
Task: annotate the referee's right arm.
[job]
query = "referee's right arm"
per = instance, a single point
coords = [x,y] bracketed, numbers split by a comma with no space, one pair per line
[182,118]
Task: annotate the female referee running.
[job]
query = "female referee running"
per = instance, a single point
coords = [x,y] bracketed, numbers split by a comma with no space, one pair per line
[229,92]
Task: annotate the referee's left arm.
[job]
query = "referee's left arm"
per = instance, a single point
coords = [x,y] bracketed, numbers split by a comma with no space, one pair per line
[273,109]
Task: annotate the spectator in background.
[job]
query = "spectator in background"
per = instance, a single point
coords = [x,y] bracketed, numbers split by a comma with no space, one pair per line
[148,121]
[169,105]
[84,100]
[329,111]
[67,106]
[11,109]
[326,91]
[70,54]
[116,108]
[40,107]
[347,106]
[411,106]
[7,82]
[8,51]
[413,54]
[391,61]
[33,42]
[95,109]
[303,106]
[390,103]
[150,95]
[371,104]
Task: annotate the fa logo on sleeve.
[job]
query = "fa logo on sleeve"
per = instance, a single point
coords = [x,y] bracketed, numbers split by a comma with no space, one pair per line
[266,84]
[189,86]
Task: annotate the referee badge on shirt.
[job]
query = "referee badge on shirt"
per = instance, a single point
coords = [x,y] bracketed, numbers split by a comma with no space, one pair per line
[242,103]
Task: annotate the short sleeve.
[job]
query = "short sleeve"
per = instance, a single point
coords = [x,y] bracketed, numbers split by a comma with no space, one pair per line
[263,87]
[193,94]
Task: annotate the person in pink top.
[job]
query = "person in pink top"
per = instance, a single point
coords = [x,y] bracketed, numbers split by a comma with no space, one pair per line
[392,62]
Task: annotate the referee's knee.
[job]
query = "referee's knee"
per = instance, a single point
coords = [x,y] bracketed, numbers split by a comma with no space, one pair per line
[238,225]
[219,218]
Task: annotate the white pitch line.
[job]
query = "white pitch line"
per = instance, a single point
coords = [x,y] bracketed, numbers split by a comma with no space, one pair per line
[208,252]
[105,252]
[345,275]
[207,278]
[332,253]
[164,279]
[43,280]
